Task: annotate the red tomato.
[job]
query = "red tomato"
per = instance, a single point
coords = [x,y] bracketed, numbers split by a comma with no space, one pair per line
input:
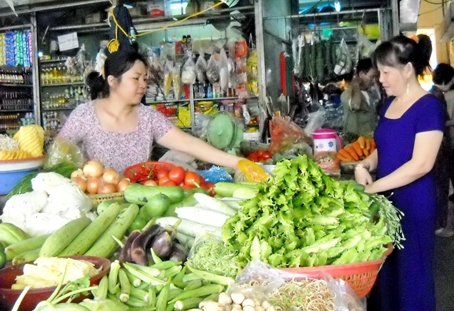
[209,187]
[169,183]
[192,179]
[162,173]
[265,156]
[253,156]
[184,186]
[163,180]
[177,174]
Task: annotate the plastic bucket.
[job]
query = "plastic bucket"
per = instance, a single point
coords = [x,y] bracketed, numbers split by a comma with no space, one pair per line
[8,180]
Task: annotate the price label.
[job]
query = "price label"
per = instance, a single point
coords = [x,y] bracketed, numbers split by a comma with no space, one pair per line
[68,42]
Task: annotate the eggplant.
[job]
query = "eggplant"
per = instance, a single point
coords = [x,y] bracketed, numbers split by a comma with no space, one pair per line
[179,253]
[162,245]
[125,254]
[142,243]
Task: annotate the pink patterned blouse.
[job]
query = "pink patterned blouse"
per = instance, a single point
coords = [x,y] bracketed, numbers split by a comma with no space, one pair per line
[117,150]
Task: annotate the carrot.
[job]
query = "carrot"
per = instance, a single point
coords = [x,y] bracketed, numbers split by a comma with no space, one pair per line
[357,148]
[345,154]
[352,152]
[362,142]
[368,143]
[343,159]
[372,145]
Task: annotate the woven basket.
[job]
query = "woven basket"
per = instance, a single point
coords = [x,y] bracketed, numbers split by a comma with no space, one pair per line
[96,199]
[360,276]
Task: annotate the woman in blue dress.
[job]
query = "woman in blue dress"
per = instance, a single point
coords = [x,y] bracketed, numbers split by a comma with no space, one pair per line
[408,137]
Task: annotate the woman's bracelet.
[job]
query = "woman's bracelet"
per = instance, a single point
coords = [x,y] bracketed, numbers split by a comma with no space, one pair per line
[362,165]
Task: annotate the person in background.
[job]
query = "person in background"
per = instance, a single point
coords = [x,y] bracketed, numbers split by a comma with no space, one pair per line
[359,100]
[118,130]
[443,79]
[408,136]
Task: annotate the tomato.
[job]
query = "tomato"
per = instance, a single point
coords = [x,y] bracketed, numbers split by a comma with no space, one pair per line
[162,173]
[169,183]
[253,156]
[209,187]
[177,174]
[265,156]
[163,180]
[192,178]
[184,186]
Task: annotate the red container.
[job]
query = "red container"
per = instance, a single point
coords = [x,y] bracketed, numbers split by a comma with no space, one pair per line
[145,171]
[9,296]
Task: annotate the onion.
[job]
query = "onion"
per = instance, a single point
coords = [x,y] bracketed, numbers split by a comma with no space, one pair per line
[150,183]
[105,188]
[111,176]
[123,184]
[93,168]
[81,182]
[93,185]
[77,173]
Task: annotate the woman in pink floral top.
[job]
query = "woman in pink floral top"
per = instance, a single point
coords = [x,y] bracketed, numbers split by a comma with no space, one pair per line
[118,130]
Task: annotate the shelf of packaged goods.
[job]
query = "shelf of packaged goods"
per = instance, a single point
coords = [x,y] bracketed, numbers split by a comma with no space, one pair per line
[223,98]
[16,110]
[149,101]
[57,109]
[52,61]
[15,85]
[64,84]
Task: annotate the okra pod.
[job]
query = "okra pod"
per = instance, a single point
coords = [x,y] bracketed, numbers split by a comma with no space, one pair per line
[161,300]
[219,279]
[135,302]
[187,304]
[113,277]
[165,265]
[199,292]
[193,285]
[151,296]
[125,286]
[139,294]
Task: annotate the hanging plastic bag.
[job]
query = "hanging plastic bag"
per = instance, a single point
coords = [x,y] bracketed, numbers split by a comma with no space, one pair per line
[223,71]
[344,62]
[188,75]
[169,68]
[176,80]
[63,151]
[213,70]
[201,68]
[285,134]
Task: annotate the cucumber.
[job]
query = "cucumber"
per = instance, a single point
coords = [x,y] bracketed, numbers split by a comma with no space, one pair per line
[226,189]
[105,204]
[139,194]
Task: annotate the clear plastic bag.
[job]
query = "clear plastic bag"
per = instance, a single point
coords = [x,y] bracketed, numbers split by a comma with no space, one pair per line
[201,68]
[315,120]
[188,75]
[285,133]
[213,70]
[62,150]
[223,71]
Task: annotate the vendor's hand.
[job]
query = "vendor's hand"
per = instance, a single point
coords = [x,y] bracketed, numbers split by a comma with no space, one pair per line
[362,176]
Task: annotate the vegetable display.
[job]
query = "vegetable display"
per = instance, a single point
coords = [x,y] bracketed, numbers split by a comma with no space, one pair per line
[301,217]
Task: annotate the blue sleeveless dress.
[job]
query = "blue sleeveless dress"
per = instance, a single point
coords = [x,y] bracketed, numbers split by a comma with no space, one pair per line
[405,282]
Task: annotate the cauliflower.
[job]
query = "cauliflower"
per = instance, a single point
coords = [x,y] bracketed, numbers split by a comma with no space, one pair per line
[48,181]
[65,198]
[20,207]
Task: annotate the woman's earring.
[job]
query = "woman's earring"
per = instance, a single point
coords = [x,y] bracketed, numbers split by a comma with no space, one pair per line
[408,88]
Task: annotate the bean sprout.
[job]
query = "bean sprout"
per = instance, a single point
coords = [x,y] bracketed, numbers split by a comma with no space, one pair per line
[7,143]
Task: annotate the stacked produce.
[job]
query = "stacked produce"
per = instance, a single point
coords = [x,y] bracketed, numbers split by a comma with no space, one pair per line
[301,217]
[357,150]
[27,143]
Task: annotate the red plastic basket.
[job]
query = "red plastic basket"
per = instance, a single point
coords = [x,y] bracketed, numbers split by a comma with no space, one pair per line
[360,276]
[146,170]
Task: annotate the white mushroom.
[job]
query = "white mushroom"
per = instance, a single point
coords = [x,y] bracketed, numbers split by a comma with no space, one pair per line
[237,298]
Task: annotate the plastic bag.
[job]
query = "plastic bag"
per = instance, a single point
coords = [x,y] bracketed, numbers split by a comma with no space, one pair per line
[315,121]
[168,78]
[201,68]
[344,62]
[285,133]
[213,70]
[223,71]
[328,162]
[61,150]
[266,283]
[188,75]
[215,174]
[176,80]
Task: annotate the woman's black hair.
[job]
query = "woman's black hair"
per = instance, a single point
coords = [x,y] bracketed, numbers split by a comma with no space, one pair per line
[443,74]
[116,65]
[402,50]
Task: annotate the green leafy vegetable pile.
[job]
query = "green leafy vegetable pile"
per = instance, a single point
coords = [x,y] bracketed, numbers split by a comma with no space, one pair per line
[302,218]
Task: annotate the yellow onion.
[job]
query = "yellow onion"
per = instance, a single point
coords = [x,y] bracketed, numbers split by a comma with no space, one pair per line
[123,184]
[77,173]
[93,185]
[105,188]
[111,176]
[93,168]
[81,182]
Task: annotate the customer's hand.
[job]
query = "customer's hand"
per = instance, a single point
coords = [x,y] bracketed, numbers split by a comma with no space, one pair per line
[362,176]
